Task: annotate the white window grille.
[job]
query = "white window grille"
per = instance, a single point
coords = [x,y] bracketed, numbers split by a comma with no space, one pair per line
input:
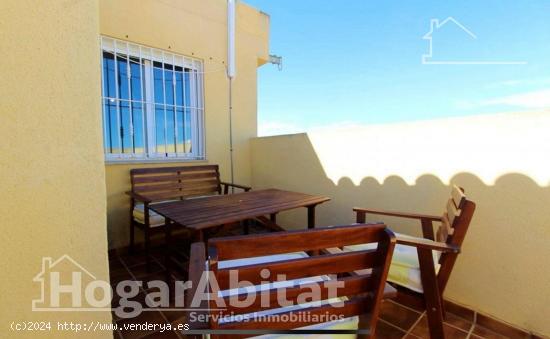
[152,103]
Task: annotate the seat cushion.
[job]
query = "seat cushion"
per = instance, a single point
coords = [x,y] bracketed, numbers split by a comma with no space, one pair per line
[347,323]
[404,269]
[267,259]
[155,219]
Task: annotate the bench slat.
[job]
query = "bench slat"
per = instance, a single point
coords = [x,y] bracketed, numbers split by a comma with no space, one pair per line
[177,182]
[184,193]
[174,169]
[173,177]
[206,184]
[295,241]
[304,317]
[300,268]
[347,286]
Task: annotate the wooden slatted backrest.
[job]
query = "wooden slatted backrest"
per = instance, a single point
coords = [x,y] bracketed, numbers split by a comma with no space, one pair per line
[169,183]
[452,215]
[363,292]
[456,220]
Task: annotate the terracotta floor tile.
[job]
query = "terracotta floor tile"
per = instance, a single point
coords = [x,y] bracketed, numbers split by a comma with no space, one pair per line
[398,315]
[386,331]
[177,275]
[459,310]
[159,256]
[500,328]
[413,336]
[112,254]
[149,277]
[115,264]
[134,260]
[170,315]
[140,271]
[459,322]
[406,300]
[421,330]
[482,332]
[140,299]
[119,275]
[173,315]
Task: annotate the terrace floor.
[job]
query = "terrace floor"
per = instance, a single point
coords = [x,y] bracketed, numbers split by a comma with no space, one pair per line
[396,320]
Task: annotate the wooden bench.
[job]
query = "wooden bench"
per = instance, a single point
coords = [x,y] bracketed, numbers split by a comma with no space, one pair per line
[160,184]
[308,279]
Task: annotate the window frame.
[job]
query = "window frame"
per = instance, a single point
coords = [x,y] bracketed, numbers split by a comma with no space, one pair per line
[147,56]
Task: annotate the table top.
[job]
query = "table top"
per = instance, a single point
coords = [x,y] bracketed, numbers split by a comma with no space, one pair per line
[204,212]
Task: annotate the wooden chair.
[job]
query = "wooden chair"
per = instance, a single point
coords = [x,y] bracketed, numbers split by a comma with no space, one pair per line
[358,297]
[155,185]
[421,267]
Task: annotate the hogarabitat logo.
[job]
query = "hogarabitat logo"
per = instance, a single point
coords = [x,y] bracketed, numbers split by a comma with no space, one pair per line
[66,286]
[436,33]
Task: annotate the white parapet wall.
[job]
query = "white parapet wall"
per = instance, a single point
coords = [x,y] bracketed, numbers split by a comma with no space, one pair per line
[501,160]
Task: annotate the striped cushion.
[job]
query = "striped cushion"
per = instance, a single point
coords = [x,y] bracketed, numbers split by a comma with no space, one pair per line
[155,220]
[404,269]
[351,323]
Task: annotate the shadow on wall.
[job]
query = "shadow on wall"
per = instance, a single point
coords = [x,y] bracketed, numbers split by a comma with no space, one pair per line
[503,269]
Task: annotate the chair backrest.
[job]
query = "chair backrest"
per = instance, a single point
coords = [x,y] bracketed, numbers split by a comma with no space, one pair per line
[170,183]
[456,220]
[360,295]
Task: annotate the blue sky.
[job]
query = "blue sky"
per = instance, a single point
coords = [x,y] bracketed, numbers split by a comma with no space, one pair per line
[360,61]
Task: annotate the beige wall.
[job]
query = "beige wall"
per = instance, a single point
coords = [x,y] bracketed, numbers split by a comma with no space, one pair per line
[195,28]
[52,174]
[501,161]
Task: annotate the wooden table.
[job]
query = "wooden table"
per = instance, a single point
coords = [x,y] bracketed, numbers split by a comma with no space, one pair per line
[203,213]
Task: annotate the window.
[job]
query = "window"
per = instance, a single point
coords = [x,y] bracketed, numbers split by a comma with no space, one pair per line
[152,103]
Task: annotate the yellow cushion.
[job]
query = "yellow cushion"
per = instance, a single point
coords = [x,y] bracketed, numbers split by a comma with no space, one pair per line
[155,219]
[404,269]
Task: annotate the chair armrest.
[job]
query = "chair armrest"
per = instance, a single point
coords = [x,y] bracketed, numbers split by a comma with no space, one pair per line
[398,214]
[197,267]
[138,197]
[227,184]
[427,244]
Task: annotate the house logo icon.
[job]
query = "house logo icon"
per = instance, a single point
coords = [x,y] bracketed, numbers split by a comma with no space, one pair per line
[435,26]
[65,285]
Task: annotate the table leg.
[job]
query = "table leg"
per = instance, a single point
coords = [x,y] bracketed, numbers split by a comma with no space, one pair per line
[168,244]
[201,237]
[311,225]
[311,216]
